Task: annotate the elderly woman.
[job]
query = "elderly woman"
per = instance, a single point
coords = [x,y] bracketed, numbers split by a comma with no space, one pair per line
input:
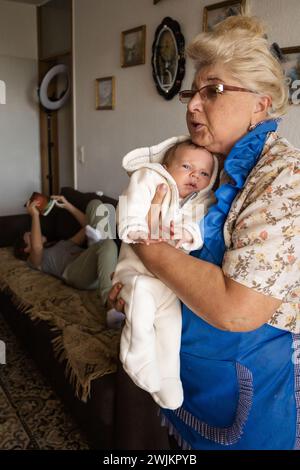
[241,291]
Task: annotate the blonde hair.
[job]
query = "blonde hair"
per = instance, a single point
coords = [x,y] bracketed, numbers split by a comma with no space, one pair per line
[240,44]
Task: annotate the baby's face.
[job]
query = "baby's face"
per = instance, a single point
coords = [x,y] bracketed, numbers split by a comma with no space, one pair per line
[191,168]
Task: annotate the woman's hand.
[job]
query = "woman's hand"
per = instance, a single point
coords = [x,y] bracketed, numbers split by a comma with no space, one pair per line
[154,220]
[61,201]
[166,233]
[113,301]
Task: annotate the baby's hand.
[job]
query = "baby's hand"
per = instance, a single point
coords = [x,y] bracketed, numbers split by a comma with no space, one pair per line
[138,236]
[186,237]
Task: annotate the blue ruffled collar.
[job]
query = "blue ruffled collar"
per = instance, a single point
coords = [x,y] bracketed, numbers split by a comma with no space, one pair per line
[238,164]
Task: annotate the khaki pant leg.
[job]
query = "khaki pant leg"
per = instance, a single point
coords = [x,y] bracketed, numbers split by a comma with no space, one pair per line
[92,268]
[91,212]
[102,217]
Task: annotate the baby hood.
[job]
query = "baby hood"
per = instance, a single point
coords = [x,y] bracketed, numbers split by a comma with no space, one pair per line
[152,157]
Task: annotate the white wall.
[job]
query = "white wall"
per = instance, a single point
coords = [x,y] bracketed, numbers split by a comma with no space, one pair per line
[19,120]
[283,18]
[142,116]
[18,30]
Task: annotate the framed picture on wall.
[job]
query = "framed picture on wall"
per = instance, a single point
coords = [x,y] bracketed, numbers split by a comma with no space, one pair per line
[291,65]
[213,14]
[133,46]
[105,93]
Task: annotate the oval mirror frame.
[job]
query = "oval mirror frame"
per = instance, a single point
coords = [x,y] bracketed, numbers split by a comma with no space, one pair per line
[168,58]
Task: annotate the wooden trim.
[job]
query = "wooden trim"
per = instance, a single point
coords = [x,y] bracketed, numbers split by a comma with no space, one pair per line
[290,50]
[43,68]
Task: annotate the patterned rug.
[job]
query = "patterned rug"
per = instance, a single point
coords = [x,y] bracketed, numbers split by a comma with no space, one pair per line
[31,415]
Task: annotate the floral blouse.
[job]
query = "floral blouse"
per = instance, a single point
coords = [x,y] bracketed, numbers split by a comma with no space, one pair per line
[262,231]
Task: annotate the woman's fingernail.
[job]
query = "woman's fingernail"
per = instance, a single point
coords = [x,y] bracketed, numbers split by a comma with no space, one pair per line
[163,187]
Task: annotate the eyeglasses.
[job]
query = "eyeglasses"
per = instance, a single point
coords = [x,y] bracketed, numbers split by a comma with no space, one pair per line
[209,92]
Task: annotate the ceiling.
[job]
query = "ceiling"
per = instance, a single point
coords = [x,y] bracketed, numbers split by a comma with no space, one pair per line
[31,2]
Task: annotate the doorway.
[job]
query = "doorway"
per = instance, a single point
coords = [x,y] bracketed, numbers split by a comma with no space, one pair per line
[56,127]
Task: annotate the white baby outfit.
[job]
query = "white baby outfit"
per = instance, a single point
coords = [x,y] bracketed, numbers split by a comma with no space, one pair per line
[150,340]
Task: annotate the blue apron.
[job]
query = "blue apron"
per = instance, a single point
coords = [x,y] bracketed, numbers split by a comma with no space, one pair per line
[241,390]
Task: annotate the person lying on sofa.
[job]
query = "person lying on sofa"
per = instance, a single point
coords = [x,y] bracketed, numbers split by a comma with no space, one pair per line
[82,268]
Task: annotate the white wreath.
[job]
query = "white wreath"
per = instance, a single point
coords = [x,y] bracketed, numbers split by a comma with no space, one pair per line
[53,105]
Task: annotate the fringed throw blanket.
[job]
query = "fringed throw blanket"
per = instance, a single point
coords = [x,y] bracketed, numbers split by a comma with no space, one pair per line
[90,349]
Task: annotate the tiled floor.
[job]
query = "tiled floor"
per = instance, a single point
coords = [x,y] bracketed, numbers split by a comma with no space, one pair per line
[31,415]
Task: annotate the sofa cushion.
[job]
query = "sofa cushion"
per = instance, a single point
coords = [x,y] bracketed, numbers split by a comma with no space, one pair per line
[13,226]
